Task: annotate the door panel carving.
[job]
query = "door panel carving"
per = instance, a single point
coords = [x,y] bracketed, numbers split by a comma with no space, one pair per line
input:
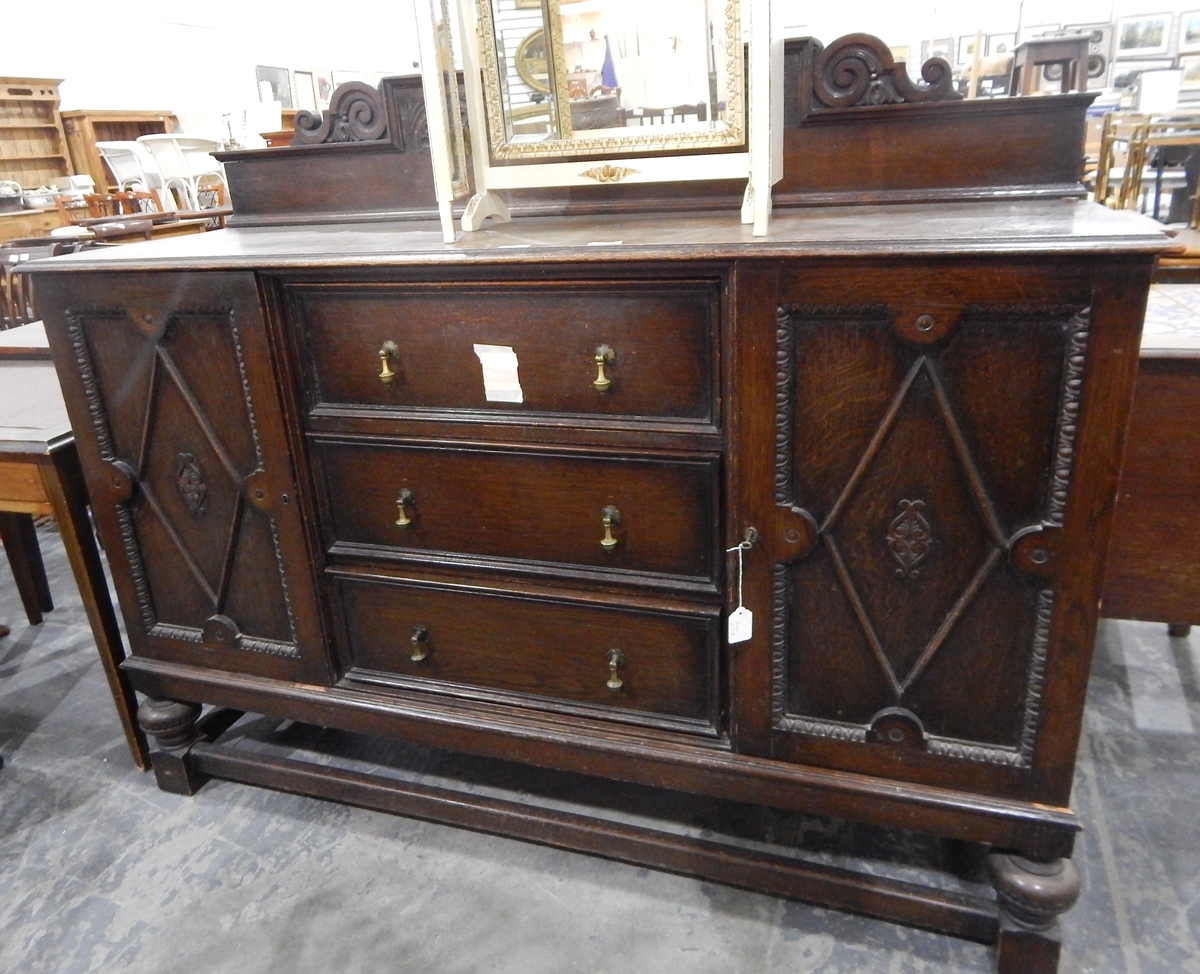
[187,478]
[917,615]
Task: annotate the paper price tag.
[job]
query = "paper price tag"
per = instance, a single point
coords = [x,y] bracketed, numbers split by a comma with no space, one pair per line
[500,380]
[741,624]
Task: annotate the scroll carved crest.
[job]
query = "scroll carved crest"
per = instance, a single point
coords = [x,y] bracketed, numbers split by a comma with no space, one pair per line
[356,114]
[859,70]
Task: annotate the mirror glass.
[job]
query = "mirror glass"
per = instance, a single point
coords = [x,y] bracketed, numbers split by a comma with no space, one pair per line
[581,77]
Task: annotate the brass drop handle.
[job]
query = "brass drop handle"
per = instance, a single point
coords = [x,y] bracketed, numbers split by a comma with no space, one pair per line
[604,356]
[387,352]
[405,497]
[420,643]
[608,517]
[616,659]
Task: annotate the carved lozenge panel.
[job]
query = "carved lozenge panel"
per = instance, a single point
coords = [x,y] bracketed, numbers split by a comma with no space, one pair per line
[920,478]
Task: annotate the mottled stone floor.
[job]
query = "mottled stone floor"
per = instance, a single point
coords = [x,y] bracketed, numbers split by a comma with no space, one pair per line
[99,871]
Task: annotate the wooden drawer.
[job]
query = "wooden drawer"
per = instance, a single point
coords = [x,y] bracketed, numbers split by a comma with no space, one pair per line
[662,336]
[544,653]
[528,506]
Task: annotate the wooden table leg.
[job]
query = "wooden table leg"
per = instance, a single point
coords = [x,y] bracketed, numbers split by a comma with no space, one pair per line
[65,487]
[25,557]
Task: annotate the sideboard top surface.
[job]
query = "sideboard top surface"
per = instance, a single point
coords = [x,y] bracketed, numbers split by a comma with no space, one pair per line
[1016,227]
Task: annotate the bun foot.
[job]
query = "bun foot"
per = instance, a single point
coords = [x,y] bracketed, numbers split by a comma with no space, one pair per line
[172,724]
[1031,895]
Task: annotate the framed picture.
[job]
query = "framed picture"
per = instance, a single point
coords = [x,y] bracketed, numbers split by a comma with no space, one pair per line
[1190,63]
[966,49]
[1189,31]
[943,48]
[1142,35]
[306,96]
[1126,73]
[276,81]
[322,81]
[1000,44]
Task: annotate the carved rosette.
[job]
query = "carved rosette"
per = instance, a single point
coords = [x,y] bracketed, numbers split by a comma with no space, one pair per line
[189,481]
[909,538]
[859,70]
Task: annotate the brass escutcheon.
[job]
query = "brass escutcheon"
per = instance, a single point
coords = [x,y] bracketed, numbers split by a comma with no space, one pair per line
[420,643]
[404,497]
[616,659]
[608,517]
[604,356]
[387,352]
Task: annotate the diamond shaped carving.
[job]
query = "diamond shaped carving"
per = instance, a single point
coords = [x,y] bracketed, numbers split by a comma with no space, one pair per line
[905,610]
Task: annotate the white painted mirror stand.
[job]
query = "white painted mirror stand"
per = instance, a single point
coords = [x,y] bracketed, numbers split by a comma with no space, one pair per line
[760,162]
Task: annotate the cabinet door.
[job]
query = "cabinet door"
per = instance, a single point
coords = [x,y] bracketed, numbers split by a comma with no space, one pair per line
[169,385]
[924,463]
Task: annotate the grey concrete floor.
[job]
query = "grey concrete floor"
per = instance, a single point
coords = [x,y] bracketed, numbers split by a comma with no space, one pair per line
[99,871]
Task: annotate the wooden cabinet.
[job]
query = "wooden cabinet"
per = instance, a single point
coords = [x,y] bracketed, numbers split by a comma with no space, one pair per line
[85,128]
[916,434]
[33,148]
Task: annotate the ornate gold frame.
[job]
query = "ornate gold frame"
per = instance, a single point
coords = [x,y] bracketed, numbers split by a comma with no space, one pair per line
[639,140]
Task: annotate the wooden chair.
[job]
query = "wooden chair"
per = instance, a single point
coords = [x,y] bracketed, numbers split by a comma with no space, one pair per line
[1123,151]
[16,292]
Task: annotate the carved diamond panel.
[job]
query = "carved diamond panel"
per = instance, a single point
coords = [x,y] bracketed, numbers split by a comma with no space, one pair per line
[171,405]
[903,455]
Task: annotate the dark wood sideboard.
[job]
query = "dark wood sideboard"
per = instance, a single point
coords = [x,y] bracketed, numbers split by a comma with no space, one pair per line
[915,413]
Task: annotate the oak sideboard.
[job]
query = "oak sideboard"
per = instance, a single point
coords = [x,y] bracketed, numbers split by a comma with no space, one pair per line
[494,496]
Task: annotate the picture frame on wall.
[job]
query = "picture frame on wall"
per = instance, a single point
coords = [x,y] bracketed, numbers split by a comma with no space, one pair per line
[942,47]
[1125,73]
[322,80]
[1190,64]
[966,49]
[306,96]
[279,81]
[1143,35]
[1000,44]
[1189,31]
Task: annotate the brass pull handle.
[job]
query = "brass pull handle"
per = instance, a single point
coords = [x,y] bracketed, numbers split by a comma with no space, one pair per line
[608,517]
[604,356]
[405,497]
[616,659]
[420,643]
[387,352]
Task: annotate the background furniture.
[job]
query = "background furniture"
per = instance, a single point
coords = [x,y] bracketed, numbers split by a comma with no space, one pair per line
[1070,51]
[318,505]
[1154,560]
[33,146]
[39,474]
[183,161]
[29,223]
[133,168]
[85,128]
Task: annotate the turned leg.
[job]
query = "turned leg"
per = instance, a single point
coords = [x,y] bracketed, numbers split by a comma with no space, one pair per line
[1179,629]
[172,724]
[1031,895]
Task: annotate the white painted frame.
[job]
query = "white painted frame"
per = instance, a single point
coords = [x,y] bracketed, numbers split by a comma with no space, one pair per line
[440,137]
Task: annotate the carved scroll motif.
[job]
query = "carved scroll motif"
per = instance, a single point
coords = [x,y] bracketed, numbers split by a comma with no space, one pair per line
[356,114]
[858,69]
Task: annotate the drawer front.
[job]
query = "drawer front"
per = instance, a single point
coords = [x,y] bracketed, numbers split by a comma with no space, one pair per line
[632,665]
[661,337]
[527,506]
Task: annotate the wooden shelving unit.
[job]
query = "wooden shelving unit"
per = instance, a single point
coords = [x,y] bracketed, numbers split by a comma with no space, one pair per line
[33,146]
[85,128]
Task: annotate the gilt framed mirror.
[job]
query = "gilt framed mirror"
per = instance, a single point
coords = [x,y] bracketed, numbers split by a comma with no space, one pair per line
[572,78]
